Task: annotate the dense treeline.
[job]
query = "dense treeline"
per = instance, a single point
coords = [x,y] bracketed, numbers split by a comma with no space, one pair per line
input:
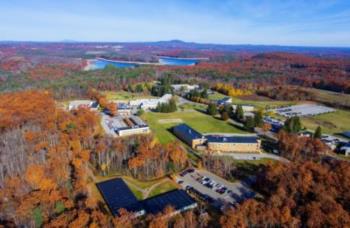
[306,194]
[286,93]
[49,157]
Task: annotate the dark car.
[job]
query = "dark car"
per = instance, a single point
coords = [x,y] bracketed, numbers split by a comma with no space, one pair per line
[190,170]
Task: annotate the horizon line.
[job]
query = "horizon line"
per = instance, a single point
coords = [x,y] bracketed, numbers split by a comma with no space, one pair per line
[174,40]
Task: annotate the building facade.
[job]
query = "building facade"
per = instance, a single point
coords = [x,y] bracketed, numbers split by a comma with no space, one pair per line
[218,143]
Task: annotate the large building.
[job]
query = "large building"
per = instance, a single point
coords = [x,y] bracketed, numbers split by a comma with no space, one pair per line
[93,105]
[189,135]
[151,103]
[218,142]
[127,125]
[238,144]
[117,195]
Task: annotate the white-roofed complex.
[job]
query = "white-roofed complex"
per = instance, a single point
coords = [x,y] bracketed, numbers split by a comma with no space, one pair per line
[150,103]
[125,125]
[82,104]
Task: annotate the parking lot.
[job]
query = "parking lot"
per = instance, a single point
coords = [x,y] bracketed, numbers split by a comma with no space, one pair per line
[212,188]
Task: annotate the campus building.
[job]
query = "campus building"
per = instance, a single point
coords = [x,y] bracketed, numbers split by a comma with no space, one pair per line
[117,195]
[238,144]
[127,125]
[218,143]
[93,105]
[189,135]
[152,103]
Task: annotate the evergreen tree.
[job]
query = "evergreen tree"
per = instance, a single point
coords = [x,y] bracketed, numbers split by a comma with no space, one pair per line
[239,114]
[292,125]
[212,110]
[249,123]
[258,118]
[318,133]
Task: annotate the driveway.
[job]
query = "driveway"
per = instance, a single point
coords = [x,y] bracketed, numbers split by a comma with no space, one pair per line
[239,190]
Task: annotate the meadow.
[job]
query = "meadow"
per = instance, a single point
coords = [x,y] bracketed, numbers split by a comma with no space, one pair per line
[161,123]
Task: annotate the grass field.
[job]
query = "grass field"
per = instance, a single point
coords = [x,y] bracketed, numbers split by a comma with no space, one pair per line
[330,97]
[257,103]
[123,95]
[163,187]
[335,122]
[196,119]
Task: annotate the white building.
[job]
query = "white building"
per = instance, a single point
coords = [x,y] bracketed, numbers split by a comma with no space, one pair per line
[184,87]
[126,125]
[246,108]
[83,104]
[346,149]
[150,103]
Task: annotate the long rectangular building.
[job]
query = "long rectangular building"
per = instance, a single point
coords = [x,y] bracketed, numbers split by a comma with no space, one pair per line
[238,144]
[189,135]
[218,142]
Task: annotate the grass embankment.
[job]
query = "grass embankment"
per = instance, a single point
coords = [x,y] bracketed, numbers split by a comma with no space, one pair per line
[139,188]
[162,188]
[161,123]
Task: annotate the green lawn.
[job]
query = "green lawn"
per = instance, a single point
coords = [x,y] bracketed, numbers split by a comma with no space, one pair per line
[334,122]
[196,119]
[164,187]
[123,95]
[257,103]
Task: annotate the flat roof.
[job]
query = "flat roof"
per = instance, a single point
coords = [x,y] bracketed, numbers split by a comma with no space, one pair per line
[346,134]
[178,199]
[188,132]
[117,195]
[231,139]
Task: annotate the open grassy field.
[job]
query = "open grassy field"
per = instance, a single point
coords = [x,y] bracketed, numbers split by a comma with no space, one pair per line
[335,122]
[194,118]
[329,97]
[123,95]
[263,103]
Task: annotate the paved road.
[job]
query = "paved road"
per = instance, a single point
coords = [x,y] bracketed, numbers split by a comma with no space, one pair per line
[240,190]
[253,156]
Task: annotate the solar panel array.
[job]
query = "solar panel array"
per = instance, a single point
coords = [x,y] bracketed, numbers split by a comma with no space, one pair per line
[178,199]
[117,195]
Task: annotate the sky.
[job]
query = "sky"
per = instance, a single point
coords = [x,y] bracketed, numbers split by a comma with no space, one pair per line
[268,22]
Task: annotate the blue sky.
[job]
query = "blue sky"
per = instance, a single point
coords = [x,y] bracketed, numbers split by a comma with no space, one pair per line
[282,22]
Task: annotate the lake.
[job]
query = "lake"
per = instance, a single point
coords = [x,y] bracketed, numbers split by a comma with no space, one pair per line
[97,64]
